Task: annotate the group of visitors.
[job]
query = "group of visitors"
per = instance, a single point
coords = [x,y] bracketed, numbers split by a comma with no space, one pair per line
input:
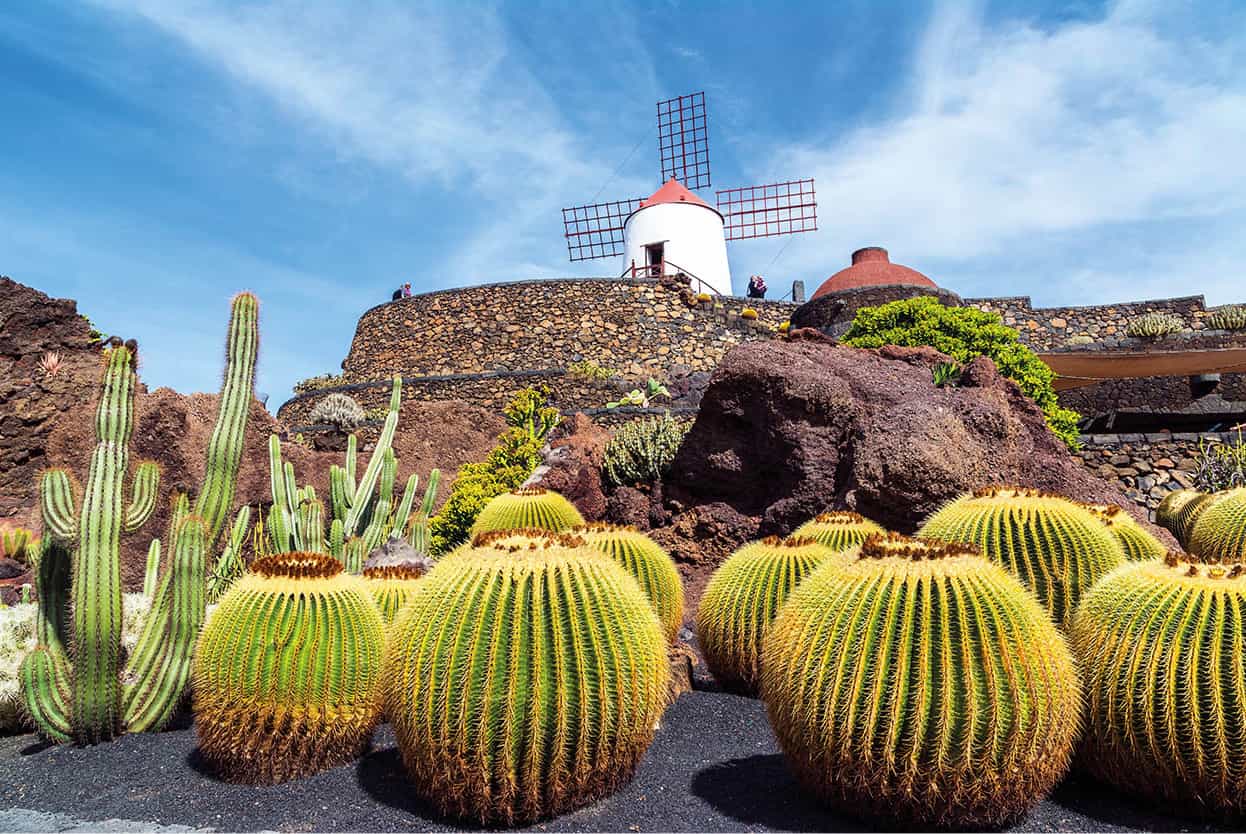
[402,292]
[756,286]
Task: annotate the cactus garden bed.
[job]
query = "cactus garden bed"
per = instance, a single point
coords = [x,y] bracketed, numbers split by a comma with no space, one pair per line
[714,766]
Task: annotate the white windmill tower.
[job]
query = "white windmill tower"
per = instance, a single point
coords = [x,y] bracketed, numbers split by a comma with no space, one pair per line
[675,231]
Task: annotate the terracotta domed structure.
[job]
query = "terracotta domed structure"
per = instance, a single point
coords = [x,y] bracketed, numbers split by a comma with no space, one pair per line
[871,267]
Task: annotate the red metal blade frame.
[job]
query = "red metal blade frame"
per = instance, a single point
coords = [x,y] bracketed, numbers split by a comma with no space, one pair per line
[596,231]
[683,141]
[779,208]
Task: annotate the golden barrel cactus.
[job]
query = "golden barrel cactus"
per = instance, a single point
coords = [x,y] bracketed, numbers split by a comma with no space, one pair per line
[838,529]
[287,672]
[392,587]
[527,507]
[922,685]
[1219,531]
[525,679]
[1179,510]
[1056,547]
[1161,651]
[743,597]
[650,565]
[1137,544]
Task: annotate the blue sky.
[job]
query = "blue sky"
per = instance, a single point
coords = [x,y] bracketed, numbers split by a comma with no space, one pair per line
[159,156]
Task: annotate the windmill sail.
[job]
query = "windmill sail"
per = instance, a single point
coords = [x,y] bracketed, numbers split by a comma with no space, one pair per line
[779,208]
[596,230]
[683,141]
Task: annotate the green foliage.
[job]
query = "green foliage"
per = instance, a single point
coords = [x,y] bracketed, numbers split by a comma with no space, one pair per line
[946,373]
[918,684]
[643,450]
[1232,317]
[588,369]
[93,333]
[529,412]
[642,399]
[1219,533]
[316,383]
[524,680]
[1153,325]
[1221,466]
[965,333]
[270,708]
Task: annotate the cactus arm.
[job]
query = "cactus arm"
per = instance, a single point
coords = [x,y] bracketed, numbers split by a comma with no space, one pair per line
[279,520]
[44,677]
[160,666]
[234,404]
[418,536]
[311,524]
[336,540]
[354,552]
[143,495]
[373,471]
[339,491]
[230,565]
[398,525]
[58,505]
[153,568]
[374,533]
[352,459]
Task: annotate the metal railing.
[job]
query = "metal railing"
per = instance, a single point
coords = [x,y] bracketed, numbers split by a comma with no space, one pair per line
[657,271]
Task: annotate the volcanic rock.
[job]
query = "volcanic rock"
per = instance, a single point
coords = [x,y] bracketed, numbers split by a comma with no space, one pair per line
[572,466]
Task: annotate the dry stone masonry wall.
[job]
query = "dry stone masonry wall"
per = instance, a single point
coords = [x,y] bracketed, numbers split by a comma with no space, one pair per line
[1148,466]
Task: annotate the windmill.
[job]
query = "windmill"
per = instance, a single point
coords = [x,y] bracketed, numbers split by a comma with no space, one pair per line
[673,230]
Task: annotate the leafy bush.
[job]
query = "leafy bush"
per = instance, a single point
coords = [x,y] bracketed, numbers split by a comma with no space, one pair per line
[1232,317]
[642,399]
[316,383]
[643,450]
[1221,466]
[508,465]
[964,333]
[339,410]
[1154,325]
[588,369]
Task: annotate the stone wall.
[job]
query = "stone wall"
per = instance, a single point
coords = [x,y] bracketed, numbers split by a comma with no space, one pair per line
[1148,466]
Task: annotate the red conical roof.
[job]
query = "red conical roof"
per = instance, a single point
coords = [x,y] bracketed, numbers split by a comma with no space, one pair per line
[872,268]
[673,192]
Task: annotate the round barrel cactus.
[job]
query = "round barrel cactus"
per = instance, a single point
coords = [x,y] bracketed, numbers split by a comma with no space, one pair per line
[1179,510]
[528,507]
[920,684]
[838,529]
[525,679]
[1056,547]
[287,672]
[1160,646]
[1219,532]
[743,597]
[392,587]
[1137,544]
[648,564]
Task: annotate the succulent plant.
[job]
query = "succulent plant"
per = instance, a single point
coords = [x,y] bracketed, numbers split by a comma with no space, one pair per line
[1179,510]
[1056,547]
[547,698]
[288,672]
[527,507]
[1231,317]
[838,529]
[1137,544]
[1160,647]
[748,313]
[1153,325]
[338,409]
[1219,532]
[743,597]
[921,684]
[650,565]
[16,543]
[643,450]
[392,587]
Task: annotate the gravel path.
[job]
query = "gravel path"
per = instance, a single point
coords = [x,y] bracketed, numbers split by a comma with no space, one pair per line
[714,766]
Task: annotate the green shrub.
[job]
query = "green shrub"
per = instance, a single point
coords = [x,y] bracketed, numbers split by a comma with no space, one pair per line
[643,450]
[1232,317]
[1154,325]
[588,369]
[316,383]
[964,333]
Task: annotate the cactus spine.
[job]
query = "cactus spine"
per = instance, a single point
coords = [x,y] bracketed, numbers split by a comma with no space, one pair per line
[1160,644]
[648,564]
[1179,510]
[525,680]
[528,507]
[838,529]
[1057,548]
[743,597]
[287,676]
[1137,544]
[1219,532]
[919,683]
[392,587]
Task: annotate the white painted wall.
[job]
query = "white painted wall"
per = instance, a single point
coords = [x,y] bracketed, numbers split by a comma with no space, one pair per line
[694,240]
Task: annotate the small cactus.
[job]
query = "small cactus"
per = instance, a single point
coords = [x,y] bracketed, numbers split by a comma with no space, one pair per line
[339,410]
[1160,647]
[1179,510]
[392,587]
[1056,547]
[921,684]
[527,507]
[16,543]
[748,313]
[1137,544]
[743,597]
[838,529]
[648,564]
[525,679]
[1153,325]
[1219,533]
[1231,317]
[287,673]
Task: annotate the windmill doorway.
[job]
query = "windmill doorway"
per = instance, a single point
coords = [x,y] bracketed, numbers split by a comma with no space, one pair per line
[655,257]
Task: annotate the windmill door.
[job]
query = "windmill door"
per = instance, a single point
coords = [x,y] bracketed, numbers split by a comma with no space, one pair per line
[655,256]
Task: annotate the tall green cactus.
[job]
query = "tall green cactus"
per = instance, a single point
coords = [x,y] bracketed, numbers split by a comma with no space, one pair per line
[920,684]
[527,507]
[1219,533]
[525,680]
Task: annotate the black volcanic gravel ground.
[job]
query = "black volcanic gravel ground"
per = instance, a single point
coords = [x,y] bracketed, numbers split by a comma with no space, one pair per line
[714,766]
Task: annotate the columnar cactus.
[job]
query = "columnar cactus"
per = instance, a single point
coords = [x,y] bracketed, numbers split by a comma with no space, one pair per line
[528,507]
[1179,510]
[524,680]
[838,529]
[1219,532]
[648,563]
[1057,548]
[921,684]
[392,587]
[743,597]
[287,675]
[1137,544]
[1160,646]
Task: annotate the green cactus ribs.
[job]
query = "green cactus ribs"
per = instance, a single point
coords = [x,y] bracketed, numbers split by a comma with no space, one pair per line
[1179,510]
[287,674]
[393,587]
[1219,532]
[525,679]
[648,563]
[1160,645]
[528,507]
[1137,544]
[742,598]
[838,529]
[919,684]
